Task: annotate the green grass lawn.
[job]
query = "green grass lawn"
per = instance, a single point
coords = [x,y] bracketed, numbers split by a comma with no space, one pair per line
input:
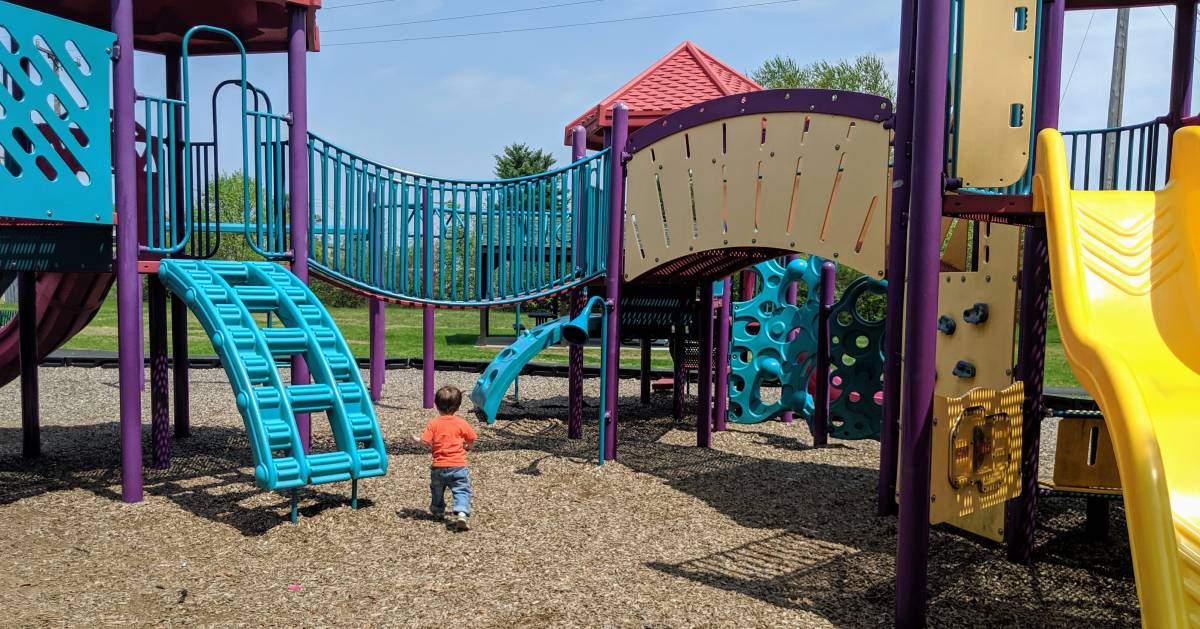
[455,335]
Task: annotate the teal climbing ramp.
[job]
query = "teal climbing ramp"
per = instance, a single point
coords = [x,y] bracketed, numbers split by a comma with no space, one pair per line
[506,366]
[234,302]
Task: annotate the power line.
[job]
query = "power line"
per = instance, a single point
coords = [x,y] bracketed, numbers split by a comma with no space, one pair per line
[1078,54]
[561,26]
[1172,25]
[448,19]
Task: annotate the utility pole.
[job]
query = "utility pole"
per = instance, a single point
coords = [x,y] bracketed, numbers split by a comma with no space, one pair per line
[1116,98]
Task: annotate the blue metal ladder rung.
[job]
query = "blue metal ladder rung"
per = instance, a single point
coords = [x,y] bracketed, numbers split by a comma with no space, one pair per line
[329,467]
[285,341]
[310,398]
[224,295]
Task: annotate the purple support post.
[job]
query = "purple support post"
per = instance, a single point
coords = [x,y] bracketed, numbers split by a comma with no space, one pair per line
[679,385]
[575,352]
[820,424]
[375,310]
[1021,513]
[375,313]
[747,285]
[704,406]
[298,175]
[31,433]
[613,275]
[160,419]
[1183,54]
[129,284]
[721,384]
[896,263]
[427,357]
[788,417]
[929,116]
[179,311]
[644,372]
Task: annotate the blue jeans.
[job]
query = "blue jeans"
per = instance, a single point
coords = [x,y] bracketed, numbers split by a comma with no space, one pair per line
[458,481]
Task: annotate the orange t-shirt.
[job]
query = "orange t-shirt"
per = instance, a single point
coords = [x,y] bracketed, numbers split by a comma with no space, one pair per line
[448,435]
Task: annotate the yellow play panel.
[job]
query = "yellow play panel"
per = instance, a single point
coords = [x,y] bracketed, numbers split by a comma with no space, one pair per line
[1126,273]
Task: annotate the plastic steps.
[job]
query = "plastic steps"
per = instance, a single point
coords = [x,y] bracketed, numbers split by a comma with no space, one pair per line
[226,296]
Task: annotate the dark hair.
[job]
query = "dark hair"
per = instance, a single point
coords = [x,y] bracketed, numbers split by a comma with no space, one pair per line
[447,399]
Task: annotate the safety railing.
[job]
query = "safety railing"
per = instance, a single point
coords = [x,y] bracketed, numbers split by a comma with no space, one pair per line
[166,228]
[450,242]
[266,207]
[1120,158]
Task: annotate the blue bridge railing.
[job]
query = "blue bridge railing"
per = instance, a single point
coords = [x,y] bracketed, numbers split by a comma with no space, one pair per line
[451,242]
[1122,158]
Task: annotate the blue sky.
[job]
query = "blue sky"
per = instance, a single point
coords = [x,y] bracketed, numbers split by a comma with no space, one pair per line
[446,106]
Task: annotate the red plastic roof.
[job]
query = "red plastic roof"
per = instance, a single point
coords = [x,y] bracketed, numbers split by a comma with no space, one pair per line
[683,77]
[159,25]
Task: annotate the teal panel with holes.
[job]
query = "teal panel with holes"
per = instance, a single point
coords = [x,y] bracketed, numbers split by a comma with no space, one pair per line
[55,144]
[232,301]
[760,352]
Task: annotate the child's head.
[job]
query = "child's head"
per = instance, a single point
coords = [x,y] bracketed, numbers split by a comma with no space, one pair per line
[448,399]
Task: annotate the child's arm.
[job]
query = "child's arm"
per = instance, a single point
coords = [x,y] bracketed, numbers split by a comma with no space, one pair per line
[420,439]
[468,436]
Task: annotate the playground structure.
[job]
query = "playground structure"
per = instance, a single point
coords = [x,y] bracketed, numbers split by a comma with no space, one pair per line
[632,232]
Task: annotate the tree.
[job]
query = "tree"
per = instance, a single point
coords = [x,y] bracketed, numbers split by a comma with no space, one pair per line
[865,73]
[519,160]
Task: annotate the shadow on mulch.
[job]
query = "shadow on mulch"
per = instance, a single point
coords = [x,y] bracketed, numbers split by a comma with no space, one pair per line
[205,470]
[816,562]
[822,511]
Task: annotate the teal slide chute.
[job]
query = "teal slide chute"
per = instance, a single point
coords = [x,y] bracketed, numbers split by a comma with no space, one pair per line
[506,366]
[225,297]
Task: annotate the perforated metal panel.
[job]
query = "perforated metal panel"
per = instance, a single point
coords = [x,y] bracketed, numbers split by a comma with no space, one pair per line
[55,146]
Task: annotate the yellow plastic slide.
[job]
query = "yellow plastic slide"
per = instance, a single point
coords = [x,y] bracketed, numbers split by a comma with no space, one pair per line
[1125,268]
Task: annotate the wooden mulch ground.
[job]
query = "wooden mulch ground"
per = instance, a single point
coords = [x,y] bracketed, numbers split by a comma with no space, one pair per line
[761,530]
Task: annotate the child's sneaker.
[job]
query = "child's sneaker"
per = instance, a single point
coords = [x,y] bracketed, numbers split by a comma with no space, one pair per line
[460,522]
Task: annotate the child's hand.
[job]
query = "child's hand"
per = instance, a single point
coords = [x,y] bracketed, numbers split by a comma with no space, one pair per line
[415,437]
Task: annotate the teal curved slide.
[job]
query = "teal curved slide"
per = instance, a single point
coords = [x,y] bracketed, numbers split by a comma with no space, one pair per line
[225,297]
[506,366]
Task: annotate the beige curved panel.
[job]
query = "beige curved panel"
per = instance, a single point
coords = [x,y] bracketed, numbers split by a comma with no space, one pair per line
[813,183]
[997,68]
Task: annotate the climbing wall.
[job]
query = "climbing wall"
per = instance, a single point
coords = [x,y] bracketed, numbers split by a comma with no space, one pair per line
[975,361]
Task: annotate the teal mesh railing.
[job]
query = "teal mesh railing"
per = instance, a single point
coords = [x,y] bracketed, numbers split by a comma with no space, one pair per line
[449,242]
[165,230]
[55,139]
[1120,158]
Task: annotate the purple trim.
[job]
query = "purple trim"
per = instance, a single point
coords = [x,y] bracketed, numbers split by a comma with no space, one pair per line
[896,264]
[575,352]
[427,356]
[679,385]
[297,77]
[925,220]
[837,102]
[704,407]
[376,330]
[179,311]
[788,417]
[1182,55]
[31,433]
[160,403]
[129,284]
[820,424]
[721,384]
[375,314]
[644,372]
[1021,513]
[613,277]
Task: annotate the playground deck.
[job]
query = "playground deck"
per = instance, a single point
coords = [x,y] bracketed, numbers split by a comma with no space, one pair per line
[761,530]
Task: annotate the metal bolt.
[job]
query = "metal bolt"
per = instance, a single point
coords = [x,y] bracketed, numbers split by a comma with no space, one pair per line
[987,278]
[1008,372]
[754,241]
[49,212]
